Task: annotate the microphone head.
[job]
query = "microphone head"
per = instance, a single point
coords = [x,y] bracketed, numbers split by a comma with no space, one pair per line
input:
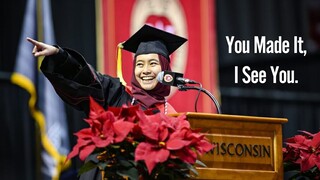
[160,76]
[169,78]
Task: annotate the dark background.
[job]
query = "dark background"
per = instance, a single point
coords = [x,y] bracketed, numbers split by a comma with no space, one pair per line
[74,22]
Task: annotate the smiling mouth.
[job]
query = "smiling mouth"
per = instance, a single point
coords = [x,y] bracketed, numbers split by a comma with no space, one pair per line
[147,79]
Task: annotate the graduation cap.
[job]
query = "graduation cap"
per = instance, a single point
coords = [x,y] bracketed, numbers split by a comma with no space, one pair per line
[150,40]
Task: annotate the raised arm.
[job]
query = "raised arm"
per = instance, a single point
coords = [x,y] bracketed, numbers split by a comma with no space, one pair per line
[75,80]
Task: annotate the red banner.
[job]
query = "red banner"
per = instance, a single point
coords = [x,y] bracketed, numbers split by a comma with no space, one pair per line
[196,59]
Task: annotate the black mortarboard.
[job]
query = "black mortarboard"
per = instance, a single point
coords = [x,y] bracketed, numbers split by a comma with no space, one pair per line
[152,40]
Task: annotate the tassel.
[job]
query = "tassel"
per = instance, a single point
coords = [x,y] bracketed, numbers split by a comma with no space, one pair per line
[119,64]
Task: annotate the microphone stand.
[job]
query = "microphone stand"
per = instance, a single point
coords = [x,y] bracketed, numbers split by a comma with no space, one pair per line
[185,88]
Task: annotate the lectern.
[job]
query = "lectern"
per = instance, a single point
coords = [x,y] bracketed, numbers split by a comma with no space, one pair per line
[246,147]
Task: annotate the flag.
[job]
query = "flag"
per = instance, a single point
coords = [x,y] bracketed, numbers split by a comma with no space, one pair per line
[196,59]
[45,106]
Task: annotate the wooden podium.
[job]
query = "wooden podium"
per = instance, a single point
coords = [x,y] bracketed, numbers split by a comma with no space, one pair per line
[246,147]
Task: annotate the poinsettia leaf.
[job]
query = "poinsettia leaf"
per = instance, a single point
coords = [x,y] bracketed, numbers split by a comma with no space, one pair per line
[87,167]
[317,161]
[299,139]
[307,161]
[200,163]
[160,155]
[103,165]
[163,132]
[84,134]
[115,110]
[125,163]
[131,173]
[74,152]
[187,155]
[316,141]
[122,129]
[203,146]
[99,142]
[306,133]
[180,122]
[150,131]
[133,162]
[95,108]
[175,144]
[85,151]
[129,113]
[298,146]
[314,169]
[141,150]
[192,169]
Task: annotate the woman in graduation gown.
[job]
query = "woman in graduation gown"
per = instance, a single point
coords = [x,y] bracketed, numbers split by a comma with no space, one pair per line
[75,80]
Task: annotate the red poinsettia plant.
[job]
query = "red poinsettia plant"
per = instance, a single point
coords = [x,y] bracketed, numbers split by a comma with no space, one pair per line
[127,142]
[302,155]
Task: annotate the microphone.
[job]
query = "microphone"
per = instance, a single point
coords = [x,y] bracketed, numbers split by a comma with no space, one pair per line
[176,79]
[173,78]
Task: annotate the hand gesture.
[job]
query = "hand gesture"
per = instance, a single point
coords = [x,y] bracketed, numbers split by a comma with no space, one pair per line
[42,49]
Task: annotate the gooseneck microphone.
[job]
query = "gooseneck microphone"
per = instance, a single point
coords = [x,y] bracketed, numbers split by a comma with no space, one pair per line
[176,79]
[173,78]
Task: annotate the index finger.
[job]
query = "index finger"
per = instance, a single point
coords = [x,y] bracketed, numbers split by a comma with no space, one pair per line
[34,42]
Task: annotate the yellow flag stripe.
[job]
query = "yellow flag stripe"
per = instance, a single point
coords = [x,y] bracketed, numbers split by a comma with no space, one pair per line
[25,83]
[38,115]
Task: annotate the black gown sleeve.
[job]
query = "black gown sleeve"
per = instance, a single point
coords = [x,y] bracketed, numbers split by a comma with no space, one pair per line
[75,80]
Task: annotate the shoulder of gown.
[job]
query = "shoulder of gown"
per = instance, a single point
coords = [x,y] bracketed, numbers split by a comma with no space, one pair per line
[75,80]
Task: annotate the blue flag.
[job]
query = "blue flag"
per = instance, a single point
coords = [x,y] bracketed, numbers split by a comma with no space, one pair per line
[45,106]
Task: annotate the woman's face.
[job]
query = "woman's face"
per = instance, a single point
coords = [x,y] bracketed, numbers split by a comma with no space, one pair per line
[146,69]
